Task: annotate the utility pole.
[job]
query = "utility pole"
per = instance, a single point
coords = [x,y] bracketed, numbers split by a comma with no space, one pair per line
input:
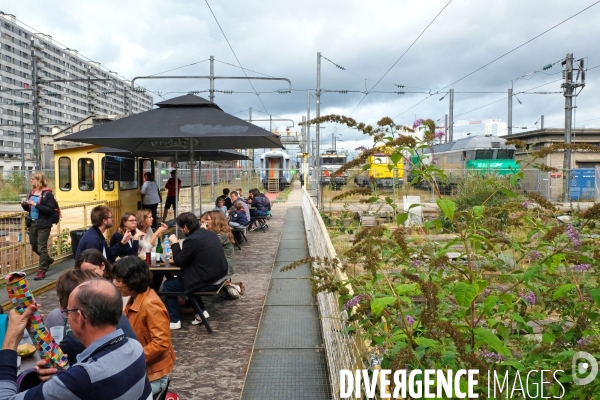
[451,116]
[568,93]
[21,104]
[308,146]
[212,79]
[251,160]
[510,96]
[36,109]
[318,134]
[446,127]
[542,122]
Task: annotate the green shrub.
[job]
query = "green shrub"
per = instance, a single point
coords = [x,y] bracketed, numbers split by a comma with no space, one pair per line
[476,189]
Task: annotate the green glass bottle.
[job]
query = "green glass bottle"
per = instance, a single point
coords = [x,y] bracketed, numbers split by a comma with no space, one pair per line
[159,250]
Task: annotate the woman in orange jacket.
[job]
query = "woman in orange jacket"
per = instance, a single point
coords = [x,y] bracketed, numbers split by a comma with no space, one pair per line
[148,318]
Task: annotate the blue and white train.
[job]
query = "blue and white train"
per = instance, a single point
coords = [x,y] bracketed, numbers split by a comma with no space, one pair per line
[275,167]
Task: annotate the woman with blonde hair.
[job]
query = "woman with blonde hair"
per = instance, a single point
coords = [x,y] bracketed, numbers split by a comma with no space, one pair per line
[220,226]
[41,205]
[144,228]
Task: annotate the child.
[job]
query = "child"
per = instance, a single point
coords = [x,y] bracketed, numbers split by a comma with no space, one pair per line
[239,219]
[220,206]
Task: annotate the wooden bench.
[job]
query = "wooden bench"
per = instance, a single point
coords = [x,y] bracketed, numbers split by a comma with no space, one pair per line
[195,305]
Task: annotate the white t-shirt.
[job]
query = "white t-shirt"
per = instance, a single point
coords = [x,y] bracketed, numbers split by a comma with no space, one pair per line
[150,192]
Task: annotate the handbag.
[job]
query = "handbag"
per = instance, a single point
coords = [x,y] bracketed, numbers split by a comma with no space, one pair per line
[28,220]
[235,290]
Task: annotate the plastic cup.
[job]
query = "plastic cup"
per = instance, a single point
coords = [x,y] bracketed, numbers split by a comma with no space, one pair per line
[58,333]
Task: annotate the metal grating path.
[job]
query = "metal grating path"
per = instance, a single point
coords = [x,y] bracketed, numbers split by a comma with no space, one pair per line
[288,359]
[284,323]
[290,292]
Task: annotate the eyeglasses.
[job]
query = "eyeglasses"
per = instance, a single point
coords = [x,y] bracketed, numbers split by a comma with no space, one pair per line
[111,217]
[66,312]
[132,220]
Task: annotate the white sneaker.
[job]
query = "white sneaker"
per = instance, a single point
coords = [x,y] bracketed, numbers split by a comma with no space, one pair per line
[197,320]
[175,325]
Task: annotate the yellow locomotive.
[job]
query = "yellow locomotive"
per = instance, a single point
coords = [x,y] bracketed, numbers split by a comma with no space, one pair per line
[379,171]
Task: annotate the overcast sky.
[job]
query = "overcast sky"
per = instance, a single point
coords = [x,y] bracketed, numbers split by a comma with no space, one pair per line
[281,39]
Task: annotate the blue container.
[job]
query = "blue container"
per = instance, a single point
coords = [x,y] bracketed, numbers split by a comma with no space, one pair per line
[583,184]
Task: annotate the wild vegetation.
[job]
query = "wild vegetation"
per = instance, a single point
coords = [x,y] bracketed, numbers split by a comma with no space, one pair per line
[522,294]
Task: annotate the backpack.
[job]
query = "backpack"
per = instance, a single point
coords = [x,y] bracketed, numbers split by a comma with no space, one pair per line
[57,214]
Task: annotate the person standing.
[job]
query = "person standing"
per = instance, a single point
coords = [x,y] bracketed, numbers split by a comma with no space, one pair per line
[170,186]
[151,196]
[102,219]
[41,205]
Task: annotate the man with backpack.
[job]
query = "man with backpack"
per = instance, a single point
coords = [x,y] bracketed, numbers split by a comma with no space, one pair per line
[43,212]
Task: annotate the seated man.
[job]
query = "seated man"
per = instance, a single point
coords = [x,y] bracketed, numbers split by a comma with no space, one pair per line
[65,284]
[111,367]
[102,219]
[235,198]
[225,197]
[202,262]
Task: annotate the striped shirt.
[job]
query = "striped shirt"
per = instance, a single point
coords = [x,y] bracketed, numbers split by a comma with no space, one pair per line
[113,367]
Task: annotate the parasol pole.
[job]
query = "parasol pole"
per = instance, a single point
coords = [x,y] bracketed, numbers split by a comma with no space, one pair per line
[192,181]
[200,173]
[176,193]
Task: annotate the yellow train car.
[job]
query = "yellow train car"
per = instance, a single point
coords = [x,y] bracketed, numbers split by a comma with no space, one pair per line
[380,173]
[80,178]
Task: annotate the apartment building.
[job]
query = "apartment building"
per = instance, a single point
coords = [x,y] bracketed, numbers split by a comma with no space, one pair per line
[61,104]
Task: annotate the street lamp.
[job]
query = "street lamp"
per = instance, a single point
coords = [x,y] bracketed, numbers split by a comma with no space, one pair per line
[20,104]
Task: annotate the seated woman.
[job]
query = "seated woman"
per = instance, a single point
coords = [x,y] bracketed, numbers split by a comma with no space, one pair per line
[220,206]
[128,223]
[93,260]
[144,224]
[148,317]
[65,284]
[220,227]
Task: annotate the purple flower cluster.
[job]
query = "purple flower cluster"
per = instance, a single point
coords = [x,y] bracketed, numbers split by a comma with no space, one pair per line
[439,134]
[574,236]
[418,123]
[409,320]
[529,297]
[485,292]
[534,255]
[580,267]
[526,204]
[586,340]
[516,354]
[490,356]
[353,302]
[416,263]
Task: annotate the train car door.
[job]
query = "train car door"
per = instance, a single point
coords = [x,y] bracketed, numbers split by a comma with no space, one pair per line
[87,177]
[272,168]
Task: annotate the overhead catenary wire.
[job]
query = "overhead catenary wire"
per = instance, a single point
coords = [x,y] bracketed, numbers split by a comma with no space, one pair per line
[521,45]
[235,55]
[403,54]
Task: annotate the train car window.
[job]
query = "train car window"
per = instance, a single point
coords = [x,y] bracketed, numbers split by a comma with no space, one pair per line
[85,168]
[484,154]
[381,159]
[123,185]
[504,154]
[64,173]
[107,186]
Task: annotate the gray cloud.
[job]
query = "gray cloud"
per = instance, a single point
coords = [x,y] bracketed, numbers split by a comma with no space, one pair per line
[281,39]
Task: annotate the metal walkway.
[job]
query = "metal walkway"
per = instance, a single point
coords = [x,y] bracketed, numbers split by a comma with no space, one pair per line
[288,358]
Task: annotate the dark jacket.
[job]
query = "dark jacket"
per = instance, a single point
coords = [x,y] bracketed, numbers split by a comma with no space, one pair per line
[202,259]
[226,199]
[94,239]
[261,202]
[240,217]
[45,207]
[127,249]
